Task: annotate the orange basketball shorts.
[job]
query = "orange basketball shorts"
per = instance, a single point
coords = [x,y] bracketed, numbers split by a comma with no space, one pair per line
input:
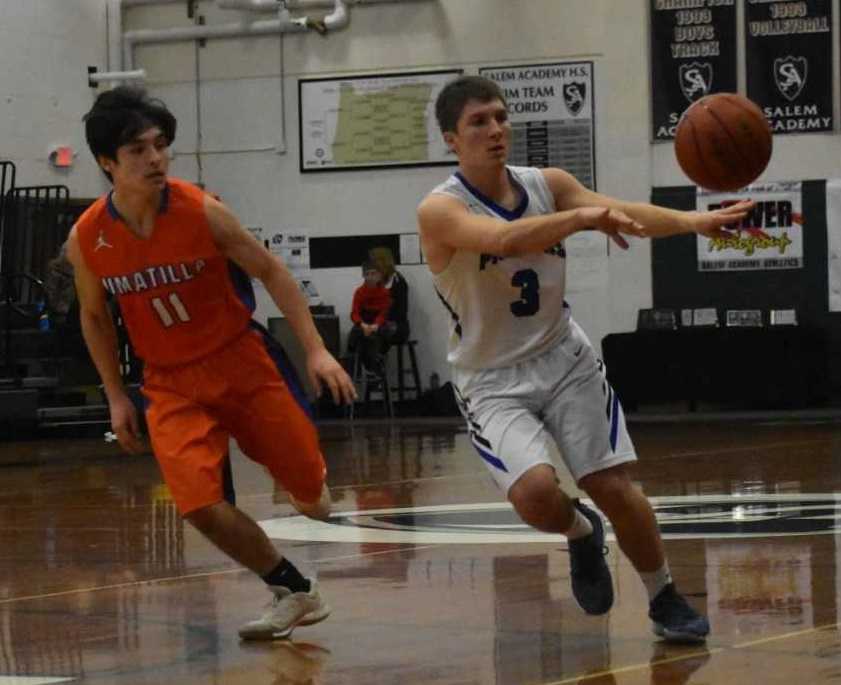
[237,392]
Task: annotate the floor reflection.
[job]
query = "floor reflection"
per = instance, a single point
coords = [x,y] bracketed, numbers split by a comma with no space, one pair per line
[101,580]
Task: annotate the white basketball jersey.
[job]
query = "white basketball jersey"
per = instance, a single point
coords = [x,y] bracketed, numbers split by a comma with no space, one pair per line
[503,309]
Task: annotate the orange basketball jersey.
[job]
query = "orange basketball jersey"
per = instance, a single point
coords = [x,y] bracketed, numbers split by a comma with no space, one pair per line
[176,290]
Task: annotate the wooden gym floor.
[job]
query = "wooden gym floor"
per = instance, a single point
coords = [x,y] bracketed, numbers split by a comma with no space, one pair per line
[431,579]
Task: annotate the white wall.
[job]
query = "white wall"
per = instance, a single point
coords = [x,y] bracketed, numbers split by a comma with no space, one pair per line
[243,122]
[241,109]
[45,49]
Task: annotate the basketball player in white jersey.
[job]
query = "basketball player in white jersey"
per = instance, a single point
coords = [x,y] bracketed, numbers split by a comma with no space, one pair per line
[524,372]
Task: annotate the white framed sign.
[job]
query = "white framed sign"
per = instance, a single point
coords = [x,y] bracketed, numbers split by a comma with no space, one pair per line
[551,108]
[770,237]
[371,121]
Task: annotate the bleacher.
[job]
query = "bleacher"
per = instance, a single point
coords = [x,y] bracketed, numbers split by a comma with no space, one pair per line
[46,376]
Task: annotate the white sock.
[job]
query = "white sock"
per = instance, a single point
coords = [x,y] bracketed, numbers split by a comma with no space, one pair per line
[655,581]
[580,528]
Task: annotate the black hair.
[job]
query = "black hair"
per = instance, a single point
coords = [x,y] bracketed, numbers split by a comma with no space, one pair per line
[119,115]
[456,94]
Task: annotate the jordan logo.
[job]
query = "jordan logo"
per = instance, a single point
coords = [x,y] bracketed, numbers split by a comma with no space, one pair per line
[101,242]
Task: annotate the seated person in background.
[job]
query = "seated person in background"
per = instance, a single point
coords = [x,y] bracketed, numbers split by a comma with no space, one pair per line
[369,313]
[59,286]
[396,329]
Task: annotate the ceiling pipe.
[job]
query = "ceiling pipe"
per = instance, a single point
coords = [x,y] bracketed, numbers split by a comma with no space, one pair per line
[180,34]
[338,18]
[274,5]
[285,23]
[250,5]
[98,76]
[134,3]
[115,31]
[308,4]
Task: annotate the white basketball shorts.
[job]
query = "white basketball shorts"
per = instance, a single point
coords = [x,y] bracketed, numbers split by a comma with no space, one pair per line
[514,414]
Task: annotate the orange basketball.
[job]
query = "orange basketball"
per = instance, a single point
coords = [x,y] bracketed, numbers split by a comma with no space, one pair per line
[723,142]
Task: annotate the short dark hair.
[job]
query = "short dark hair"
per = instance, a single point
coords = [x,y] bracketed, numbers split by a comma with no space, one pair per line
[119,115]
[456,94]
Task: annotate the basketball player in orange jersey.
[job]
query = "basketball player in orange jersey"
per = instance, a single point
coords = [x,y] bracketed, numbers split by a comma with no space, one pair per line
[525,374]
[178,262]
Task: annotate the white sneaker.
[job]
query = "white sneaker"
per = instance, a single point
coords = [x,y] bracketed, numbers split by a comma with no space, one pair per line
[287,610]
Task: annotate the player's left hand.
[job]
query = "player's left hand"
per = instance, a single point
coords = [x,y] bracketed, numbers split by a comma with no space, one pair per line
[324,370]
[713,224]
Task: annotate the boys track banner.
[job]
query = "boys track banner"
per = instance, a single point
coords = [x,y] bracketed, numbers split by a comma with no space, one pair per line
[770,237]
[693,53]
[789,63]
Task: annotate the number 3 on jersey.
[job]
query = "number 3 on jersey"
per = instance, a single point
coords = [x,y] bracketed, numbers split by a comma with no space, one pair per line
[529,285]
[176,311]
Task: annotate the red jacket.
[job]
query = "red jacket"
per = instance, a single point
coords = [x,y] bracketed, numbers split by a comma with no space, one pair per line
[370,304]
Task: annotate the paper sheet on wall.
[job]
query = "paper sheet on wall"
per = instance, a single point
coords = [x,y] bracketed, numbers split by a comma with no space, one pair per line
[410,252]
[833,236]
[292,246]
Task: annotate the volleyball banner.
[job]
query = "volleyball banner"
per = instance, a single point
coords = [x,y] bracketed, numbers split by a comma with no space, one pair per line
[788,48]
[770,237]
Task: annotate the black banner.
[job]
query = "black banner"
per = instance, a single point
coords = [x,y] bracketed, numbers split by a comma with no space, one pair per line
[693,53]
[789,63]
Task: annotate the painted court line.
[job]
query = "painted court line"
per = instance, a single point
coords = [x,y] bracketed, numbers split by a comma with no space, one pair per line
[636,667]
[192,576]
[31,680]
[684,657]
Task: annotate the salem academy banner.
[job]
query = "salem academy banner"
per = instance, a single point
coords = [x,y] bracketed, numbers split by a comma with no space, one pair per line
[770,237]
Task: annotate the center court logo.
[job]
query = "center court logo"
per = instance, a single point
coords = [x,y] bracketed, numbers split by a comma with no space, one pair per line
[683,517]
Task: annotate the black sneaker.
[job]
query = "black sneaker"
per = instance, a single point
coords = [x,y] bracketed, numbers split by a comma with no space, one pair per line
[674,620]
[591,582]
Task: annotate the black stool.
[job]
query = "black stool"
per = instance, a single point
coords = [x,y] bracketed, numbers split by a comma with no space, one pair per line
[368,382]
[402,370]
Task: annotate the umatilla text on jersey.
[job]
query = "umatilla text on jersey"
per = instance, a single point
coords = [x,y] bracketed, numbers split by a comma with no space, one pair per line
[152,277]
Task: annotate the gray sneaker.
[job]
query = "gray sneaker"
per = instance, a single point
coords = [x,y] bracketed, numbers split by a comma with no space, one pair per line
[286,611]
[592,586]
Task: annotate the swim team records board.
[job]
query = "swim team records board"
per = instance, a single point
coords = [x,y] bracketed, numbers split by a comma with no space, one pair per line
[551,109]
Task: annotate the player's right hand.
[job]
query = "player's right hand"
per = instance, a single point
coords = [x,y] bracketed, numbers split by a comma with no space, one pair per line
[715,224]
[325,371]
[125,423]
[611,222]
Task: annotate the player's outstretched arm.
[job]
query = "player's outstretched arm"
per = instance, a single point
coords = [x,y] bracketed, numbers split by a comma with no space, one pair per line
[445,223]
[240,246]
[101,340]
[656,222]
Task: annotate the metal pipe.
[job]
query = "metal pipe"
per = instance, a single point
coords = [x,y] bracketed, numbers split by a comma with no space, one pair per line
[174,35]
[115,33]
[338,18]
[308,4]
[290,4]
[132,3]
[250,5]
[135,75]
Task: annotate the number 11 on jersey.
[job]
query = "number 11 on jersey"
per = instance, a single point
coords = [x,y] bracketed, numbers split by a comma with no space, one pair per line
[176,307]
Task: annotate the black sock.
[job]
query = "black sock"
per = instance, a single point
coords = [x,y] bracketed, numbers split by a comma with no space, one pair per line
[288,576]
